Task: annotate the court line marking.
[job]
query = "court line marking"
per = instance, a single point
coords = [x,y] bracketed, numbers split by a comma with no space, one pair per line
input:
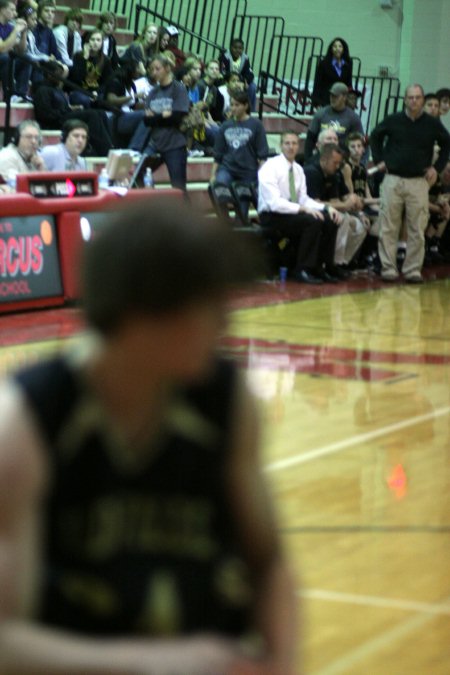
[353,440]
[367,649]
[376,601]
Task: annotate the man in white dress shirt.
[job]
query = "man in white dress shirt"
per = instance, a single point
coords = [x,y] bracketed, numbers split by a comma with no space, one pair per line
[284,206]
[66,156]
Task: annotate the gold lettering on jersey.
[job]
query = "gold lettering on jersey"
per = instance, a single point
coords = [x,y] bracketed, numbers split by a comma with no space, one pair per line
[89,592]
[232,582]
[168,525]
[161,614]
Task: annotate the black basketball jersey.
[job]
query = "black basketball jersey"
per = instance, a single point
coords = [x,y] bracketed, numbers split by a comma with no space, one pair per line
[359,179]
[138,550]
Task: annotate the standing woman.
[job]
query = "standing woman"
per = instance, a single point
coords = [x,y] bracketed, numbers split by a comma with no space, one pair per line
[91,70]
[167,105]
[336,66]
[240,147]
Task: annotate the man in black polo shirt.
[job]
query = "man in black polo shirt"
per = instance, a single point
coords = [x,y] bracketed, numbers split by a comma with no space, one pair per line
[326,184]
[402,144]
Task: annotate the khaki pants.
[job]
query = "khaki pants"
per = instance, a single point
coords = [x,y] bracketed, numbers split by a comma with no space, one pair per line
[403,199]
[350,235]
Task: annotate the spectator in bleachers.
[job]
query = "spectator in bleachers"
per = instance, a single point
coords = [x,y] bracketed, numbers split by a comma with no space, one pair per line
[52,109]
[241,146]
[45,38]
[232,82]
[23,4]
[22,155]
[144,83]
[193,70]
[285,207]
[170,56]
[145,46]
[352,98]
[432,105]
[209,92]
[336,115]
[336,66]
[326,185]
[91,70]
[120,92]
[163,39]
[66,155]
[12,37]
[23,66]
[444,101]
[107,24]
[172,45]
[68,37]
[166,106]
[235,60]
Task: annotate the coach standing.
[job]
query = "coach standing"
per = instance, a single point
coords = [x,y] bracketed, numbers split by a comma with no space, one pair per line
[402,145]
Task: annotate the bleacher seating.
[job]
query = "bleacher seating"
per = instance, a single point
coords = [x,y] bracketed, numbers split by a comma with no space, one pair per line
[198,169]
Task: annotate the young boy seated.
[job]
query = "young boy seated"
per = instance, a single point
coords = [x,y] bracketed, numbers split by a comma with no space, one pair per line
[356,179]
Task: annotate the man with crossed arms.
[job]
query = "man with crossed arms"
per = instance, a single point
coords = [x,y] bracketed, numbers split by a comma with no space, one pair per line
[284,205]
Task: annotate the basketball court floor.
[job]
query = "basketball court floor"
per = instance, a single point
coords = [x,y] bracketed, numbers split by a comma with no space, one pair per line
[353,383]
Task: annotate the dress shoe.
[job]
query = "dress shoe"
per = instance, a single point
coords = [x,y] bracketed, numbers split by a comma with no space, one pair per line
[389,277]
[328,277]
[306,277]
[338,272]
[414,279]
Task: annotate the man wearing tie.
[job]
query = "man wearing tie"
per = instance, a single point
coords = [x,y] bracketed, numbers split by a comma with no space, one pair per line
[284,206]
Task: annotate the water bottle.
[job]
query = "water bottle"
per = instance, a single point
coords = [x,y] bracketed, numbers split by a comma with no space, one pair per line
[148,178]
[11,179]
[103,180]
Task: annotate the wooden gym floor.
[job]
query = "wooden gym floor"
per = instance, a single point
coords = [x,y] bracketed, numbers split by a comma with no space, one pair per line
[353,381]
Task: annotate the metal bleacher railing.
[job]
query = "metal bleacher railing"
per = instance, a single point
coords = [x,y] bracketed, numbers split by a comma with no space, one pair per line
[285,64]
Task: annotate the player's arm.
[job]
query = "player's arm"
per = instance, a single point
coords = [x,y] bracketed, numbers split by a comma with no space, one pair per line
[276,605]
[347,173]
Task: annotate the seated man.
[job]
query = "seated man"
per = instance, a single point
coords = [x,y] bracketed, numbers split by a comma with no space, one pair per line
[326,136]
[336,115]
[284,206]
[21,155]
[66,156]
[326,185]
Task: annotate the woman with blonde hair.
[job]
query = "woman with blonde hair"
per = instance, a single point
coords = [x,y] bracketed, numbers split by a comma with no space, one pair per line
[145,46]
